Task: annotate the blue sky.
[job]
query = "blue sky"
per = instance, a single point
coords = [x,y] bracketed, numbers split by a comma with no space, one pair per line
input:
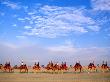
[43,30]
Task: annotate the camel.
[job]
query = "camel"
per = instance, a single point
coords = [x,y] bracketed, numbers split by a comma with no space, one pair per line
[92,67]
[7,67]
[105,66]
[78,66]
[36,67]
[23,68]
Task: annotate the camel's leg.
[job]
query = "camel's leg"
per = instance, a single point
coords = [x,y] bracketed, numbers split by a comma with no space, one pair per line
[75,69]
[20,70]
[27,70]
[9,70]
[80,69]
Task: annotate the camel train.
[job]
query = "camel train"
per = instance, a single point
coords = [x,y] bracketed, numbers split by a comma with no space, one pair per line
[54,67]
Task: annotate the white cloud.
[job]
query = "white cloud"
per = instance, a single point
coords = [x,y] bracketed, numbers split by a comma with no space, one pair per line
[21,19]
[14,25]
[94,28]
[31,13]
[25,8]
[101,4]
[11,4]
[21,37]
[53,21]
[27,27]
[24,19]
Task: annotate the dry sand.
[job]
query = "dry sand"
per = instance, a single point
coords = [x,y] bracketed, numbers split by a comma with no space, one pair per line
[46,77]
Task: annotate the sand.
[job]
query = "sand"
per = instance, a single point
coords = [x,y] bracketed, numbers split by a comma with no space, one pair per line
[48,77]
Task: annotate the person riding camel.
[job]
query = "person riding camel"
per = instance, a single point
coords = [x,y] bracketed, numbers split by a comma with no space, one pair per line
[22,63]
[57,63]
[51,63]
[35,64]
[38,64]
[6,64]
[64,64]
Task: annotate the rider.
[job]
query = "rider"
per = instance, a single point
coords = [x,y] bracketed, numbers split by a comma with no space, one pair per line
[57,63]
[6,63]
[51,63]
[106,63]
[22,63]
[62,64]
[65,64]
[38,64]
[35,64]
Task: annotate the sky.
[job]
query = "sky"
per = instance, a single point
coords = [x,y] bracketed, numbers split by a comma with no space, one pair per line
[57,30]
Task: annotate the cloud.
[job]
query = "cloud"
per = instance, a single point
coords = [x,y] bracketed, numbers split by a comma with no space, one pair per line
[21,19]
[11,4]
[53,21]
[101,4]
[27,27]
[14,25]
[21,37]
